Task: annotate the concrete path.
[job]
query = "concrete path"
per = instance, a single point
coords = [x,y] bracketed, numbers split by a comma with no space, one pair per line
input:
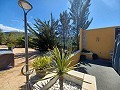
[106,76]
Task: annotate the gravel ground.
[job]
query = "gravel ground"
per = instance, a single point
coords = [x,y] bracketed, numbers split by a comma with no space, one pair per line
[67,85]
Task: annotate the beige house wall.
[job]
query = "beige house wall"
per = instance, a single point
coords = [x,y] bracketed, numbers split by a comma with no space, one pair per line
[101,41]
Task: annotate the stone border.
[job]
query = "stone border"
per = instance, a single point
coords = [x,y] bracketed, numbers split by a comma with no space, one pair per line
[88,82]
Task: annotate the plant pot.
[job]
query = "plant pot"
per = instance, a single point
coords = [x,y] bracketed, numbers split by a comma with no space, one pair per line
[40,73]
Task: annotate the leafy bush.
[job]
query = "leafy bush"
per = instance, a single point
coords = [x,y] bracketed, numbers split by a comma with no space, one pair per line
[41,63]
[10,45]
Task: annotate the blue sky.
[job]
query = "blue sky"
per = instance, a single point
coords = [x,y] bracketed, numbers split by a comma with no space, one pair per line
[105,13]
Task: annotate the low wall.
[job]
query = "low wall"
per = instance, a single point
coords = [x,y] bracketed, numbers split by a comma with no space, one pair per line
[75,57]
[88,55]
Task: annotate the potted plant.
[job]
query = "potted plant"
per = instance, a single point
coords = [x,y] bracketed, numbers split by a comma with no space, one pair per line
[41,64]
[10,46]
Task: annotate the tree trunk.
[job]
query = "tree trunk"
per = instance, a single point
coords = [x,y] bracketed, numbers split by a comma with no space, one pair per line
[61,82]
[84,39]
[64,39]
[64,43]
[77,39]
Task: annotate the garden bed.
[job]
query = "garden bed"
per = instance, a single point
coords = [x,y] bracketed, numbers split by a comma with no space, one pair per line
[73,81]
[67,85]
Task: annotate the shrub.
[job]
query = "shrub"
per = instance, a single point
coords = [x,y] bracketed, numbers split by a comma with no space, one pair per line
[10,45]
[41,63]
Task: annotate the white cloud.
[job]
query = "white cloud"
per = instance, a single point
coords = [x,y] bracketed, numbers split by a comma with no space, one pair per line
[9,29]
[112,3]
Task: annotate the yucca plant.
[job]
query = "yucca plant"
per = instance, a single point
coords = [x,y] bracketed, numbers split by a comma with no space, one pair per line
[60,65]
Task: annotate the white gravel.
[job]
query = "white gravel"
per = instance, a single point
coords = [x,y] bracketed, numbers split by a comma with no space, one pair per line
[67,85]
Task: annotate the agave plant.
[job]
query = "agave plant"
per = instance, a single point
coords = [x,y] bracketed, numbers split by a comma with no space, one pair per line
[60,65]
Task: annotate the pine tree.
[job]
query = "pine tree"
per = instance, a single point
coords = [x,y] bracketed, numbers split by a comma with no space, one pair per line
[64,26]
[79,12]
[44,33]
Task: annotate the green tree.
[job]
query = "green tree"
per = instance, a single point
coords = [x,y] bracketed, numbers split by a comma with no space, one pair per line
[79,12]
[44,33]
[20,41]
[2,37]
[10,38]
[64,29]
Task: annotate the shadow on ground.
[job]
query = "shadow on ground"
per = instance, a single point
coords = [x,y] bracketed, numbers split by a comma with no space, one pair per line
[23,87]
[30,54]
[87,63]
[32,80]
[5,68]
[82,69]
[106,77]
[100,62]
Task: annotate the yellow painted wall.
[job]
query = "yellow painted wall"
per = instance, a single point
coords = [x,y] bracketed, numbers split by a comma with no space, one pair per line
[101,41]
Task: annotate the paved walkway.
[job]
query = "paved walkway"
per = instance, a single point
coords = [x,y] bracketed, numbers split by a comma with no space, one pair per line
[106,76]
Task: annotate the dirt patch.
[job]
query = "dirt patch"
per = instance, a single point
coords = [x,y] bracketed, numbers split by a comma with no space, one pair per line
[12,79]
